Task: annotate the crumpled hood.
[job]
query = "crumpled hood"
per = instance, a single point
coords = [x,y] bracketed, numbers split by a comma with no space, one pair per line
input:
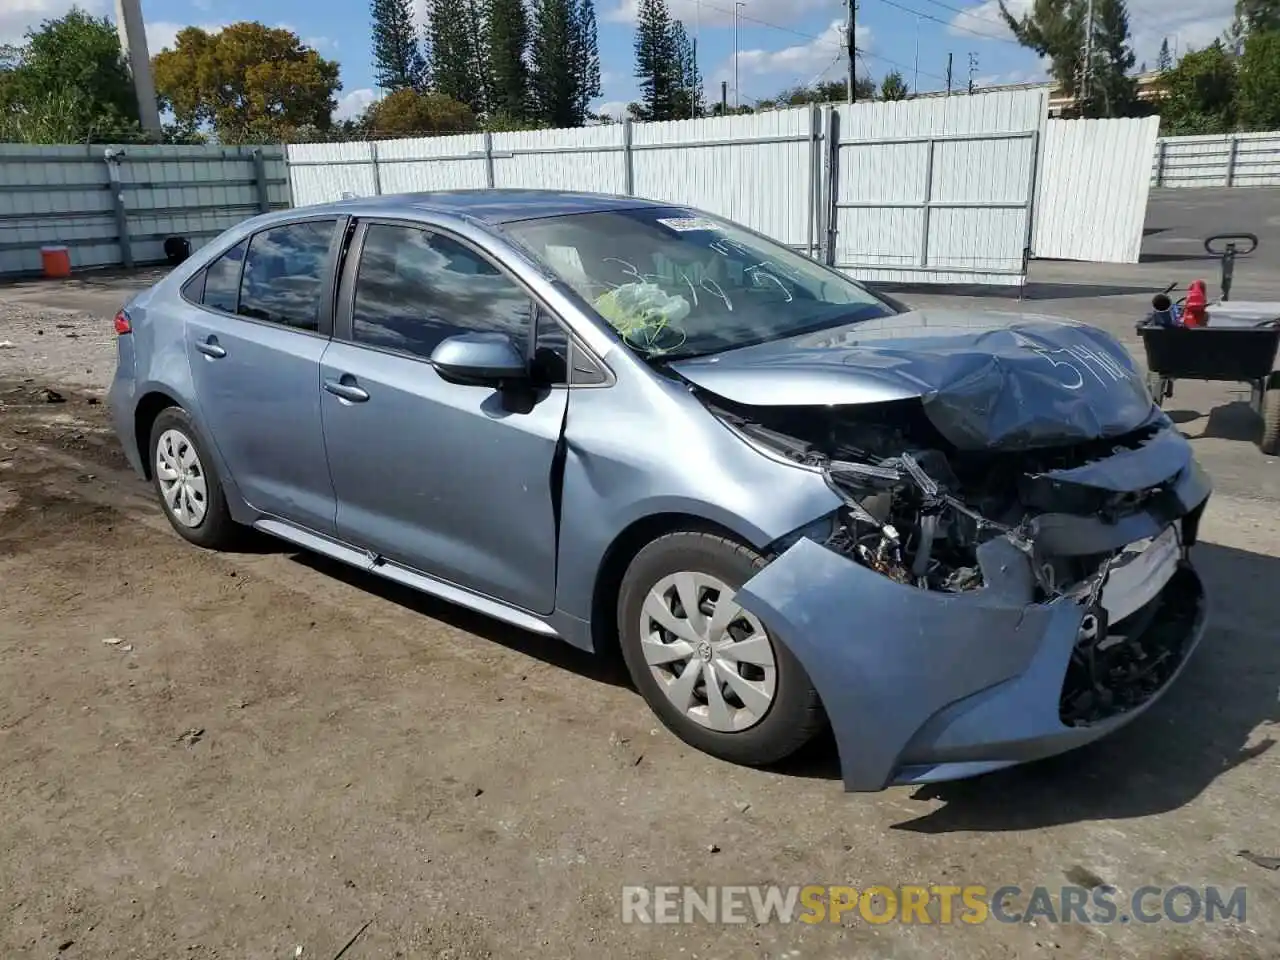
[987,380]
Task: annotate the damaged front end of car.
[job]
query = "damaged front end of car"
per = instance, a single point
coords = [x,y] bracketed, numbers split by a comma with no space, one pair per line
[972,608]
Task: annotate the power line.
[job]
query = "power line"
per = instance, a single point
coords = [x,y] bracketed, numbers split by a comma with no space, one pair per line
[825,41]
[967,13]
[948,24]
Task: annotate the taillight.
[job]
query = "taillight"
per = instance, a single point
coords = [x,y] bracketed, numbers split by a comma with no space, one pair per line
[123,323]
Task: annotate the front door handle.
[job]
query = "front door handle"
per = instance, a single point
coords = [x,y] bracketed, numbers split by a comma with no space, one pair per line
[347,389]
[211,348]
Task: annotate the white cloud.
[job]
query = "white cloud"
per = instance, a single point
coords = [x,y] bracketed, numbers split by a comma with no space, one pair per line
[802,61]
[1187,24]
[355,103]
[719,13]
[612,108]
[16,16]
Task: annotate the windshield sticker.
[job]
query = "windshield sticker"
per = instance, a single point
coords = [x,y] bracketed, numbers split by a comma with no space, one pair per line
[687,224]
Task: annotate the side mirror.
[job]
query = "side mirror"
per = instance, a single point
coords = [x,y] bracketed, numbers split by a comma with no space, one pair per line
[479,359]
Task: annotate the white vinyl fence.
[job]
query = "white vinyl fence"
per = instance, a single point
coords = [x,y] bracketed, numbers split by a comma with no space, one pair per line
[915,191]
[1091,201]
[1234,160]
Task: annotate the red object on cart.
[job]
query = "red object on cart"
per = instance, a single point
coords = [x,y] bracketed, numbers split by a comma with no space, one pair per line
[1194,310]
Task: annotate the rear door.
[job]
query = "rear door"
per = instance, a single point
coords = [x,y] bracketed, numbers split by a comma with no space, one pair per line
[444,478]
[264,316]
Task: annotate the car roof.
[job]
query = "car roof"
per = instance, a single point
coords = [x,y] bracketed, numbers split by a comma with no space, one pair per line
[494,207]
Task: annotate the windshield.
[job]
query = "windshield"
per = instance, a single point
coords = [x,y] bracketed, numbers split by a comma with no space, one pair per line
[675,283]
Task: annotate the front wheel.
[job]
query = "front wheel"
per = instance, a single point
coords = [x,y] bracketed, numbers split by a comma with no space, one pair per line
[1270,440]
[709,669]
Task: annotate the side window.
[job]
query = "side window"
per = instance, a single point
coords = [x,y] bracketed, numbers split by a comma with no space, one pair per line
[415,288]
[284,274]
[222,279]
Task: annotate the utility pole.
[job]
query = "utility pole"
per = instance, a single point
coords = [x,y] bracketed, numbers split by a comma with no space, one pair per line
[915,80]
[737,47]
[696,95]
[852,48]
[973,69]
[724,98]
[1087,70]
[950,56]
[133,44]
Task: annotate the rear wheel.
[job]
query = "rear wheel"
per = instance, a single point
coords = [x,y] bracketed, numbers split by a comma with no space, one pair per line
[709,669]
[187,483]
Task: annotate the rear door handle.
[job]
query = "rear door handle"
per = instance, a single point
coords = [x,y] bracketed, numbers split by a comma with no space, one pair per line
[347,389]
[211,348]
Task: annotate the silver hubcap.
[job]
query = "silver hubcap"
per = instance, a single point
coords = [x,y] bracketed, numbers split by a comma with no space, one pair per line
[182,480]
[711,658]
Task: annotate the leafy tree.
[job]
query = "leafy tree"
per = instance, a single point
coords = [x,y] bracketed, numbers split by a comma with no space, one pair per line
[1258,93]
[555,55]
[827,91]
[458,68]
[1164,61]
[1252,16]
[508,47]
[657,61]
[398,62]
[249,82]
[1057,29]
[68,81]
[1199,94]
[586,57]
[893,86]
[409,113]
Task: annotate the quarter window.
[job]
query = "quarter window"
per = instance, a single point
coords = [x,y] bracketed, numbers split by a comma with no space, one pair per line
[284,274]
[415,288]
[222,279]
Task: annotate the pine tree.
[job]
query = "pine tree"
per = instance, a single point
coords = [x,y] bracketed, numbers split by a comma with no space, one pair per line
[656,61]
[457,65]
[1164,60]
[508,51]
[397,58]
[688,77]
[1113,91]
[586,58]
[555,60]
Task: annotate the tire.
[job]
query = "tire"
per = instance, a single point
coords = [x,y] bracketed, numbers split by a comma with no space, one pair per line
[781,711]
[178,458]
[1269,443]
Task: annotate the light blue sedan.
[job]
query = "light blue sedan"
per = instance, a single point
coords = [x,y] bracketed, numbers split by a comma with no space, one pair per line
[960,539]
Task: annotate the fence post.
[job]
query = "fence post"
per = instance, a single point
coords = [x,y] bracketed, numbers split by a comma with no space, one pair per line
[1231,160]
[628,164]
[1162,145]
[489,177]
[112,159]
[926,213]
[377,170]
[260,180]
[831,180]
[815,174]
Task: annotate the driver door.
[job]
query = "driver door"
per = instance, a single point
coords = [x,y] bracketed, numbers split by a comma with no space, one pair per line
[440,477]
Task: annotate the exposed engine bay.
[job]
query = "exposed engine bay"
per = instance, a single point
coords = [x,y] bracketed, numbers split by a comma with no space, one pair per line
[916,511]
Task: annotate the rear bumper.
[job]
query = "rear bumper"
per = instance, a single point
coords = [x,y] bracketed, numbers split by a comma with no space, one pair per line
[122,402]
[922,686]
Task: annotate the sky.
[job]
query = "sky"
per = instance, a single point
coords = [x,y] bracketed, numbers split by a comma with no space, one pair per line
[779,43]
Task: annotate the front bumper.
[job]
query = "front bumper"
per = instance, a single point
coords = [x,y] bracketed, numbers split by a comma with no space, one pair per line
[922,686]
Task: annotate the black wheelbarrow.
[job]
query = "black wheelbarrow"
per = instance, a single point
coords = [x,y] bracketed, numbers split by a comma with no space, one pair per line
[1238,345]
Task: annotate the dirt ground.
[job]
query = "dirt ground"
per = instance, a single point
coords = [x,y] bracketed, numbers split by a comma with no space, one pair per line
[264,755]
